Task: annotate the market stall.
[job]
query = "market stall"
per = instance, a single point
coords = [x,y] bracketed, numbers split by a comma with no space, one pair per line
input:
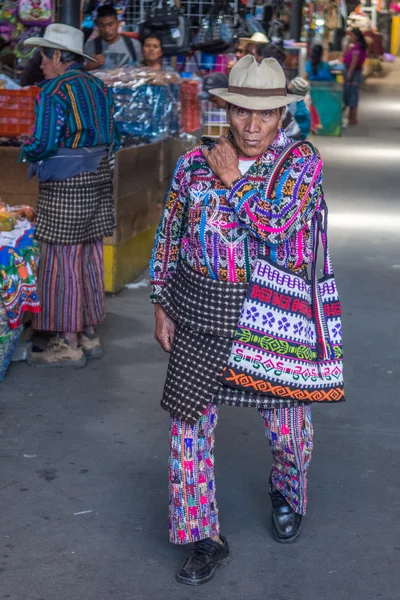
[158,112]
[18,261]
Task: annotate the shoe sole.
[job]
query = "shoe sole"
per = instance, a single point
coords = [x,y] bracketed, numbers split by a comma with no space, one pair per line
[193,582]
[76,364]
[287,540]
[95,353]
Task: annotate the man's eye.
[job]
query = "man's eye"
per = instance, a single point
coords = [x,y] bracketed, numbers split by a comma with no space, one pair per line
[242,111]
[267,113]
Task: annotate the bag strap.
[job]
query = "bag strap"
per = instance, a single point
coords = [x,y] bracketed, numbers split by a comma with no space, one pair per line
[282,158]
[130,47]
[319,229]
[98,45]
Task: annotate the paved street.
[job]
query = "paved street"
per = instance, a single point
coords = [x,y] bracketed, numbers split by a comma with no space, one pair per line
[83,479]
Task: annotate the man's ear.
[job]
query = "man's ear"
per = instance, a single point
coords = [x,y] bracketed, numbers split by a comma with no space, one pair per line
[57,57]
[282,112]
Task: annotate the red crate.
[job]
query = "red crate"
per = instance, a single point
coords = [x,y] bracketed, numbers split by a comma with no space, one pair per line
[17,111]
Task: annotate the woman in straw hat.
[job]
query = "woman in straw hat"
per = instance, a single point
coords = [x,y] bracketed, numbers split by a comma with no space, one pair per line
[68,152]
[215,223]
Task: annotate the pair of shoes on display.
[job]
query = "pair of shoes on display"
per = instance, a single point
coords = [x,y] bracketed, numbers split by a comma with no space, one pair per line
[59,353]
[207,555]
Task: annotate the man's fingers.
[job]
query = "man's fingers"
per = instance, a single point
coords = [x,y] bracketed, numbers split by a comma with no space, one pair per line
[224,140]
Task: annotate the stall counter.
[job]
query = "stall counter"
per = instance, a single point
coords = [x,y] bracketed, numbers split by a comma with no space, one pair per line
[141,180]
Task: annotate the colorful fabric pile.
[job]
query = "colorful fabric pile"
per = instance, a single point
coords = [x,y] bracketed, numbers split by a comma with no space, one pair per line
[19,253]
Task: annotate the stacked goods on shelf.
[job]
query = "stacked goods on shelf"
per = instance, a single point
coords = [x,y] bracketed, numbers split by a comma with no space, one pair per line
[190,105]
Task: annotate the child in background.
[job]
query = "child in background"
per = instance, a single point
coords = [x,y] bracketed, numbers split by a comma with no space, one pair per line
[299,110]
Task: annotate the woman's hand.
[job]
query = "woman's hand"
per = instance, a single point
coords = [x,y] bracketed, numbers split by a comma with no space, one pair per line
[165,329]
[224,161]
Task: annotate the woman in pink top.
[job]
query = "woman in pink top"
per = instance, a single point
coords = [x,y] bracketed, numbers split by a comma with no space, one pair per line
[354,58]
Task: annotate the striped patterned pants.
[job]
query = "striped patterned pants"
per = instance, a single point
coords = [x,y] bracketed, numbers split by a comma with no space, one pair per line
[192,506]
[70,287]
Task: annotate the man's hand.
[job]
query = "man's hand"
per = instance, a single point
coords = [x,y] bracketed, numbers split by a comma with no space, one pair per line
[92,66]
[100,58]
[165,329]
[224,161]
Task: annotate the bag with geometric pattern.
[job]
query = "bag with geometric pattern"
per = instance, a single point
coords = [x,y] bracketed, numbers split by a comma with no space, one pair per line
[288,341]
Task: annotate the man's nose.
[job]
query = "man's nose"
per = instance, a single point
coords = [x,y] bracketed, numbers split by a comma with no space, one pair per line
[253,124]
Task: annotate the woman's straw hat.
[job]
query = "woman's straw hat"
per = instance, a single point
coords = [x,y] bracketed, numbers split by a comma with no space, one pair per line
[256,86]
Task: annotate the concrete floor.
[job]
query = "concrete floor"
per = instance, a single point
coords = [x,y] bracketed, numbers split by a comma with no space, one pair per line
[95,441]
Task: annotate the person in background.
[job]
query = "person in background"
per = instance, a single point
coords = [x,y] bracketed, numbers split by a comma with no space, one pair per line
[354,58]
[251,49]
[152,52]
[248,46]
[73,137]
[299,87]
[212,81]
[111,49]
[270,51]
[316,68]
[279,28]
[239,49]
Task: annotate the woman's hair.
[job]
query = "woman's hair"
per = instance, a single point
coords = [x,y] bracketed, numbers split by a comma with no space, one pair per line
[152,36]
[316,57]
[360,38]
[271,51]
[66,56]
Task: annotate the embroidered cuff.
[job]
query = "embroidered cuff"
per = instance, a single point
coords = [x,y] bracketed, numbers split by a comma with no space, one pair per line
[155,292]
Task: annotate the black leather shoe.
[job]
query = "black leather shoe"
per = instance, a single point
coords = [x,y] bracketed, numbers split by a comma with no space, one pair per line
[286,524]
[205,557]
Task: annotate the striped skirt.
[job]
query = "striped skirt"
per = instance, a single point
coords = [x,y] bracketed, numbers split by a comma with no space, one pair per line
[70,287]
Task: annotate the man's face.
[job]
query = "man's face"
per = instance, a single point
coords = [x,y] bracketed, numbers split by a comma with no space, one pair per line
[108,28]
[253,130]
[50,66]
[239,52]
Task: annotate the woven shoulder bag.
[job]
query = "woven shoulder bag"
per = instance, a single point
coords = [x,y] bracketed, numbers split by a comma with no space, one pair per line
[288,341]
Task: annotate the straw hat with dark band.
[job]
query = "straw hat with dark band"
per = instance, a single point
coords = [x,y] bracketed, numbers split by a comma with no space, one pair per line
[256,86]
[60,37]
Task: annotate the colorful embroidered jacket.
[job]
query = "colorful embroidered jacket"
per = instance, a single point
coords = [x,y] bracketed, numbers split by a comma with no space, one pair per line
[219,232]
[74,110]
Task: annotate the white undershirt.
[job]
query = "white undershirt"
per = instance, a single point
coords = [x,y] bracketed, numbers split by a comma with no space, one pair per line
[245,164]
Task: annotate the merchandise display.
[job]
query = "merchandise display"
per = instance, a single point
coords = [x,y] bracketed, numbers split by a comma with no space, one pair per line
[146,101]
[19,254]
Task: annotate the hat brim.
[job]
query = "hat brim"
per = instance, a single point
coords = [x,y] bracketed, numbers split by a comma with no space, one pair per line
[250,41]
[42,43]
[255,102]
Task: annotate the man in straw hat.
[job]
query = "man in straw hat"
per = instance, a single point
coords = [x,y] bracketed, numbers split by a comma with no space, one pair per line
[68,151]
[216,221]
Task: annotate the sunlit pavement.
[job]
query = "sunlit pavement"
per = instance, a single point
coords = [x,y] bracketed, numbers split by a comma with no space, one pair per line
[83,485]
